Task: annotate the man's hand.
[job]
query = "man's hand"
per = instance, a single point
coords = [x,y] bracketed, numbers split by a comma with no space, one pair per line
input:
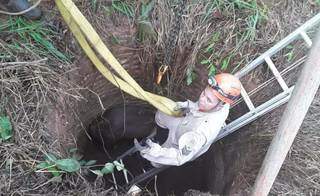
[183,107]
[142,148]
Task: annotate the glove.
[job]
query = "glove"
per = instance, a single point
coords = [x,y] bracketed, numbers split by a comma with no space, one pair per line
[142,148]
[183,107]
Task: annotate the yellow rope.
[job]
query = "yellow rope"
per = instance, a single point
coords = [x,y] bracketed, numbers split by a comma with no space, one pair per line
[83,31]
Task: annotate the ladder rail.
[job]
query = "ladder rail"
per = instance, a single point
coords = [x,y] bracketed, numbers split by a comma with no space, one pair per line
[284,72]
[245,119]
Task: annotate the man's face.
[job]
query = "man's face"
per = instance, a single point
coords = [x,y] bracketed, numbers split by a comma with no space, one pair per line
[207,100]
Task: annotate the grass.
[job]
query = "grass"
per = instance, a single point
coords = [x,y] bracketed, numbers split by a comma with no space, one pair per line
[145,30]
[243,17]
[33,36]
[122,7]
[29,84]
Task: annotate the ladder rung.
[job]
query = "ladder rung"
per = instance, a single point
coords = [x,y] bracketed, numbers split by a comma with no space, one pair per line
[306,38]
[247,99]
[276,73]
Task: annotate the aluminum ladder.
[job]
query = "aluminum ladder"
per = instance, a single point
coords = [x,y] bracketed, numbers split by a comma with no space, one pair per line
[281,98]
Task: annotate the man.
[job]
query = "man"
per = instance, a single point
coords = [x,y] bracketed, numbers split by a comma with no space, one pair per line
[14,6]
[191,136]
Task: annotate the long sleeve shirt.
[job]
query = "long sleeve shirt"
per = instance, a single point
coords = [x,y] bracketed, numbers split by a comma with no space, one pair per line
[189,136]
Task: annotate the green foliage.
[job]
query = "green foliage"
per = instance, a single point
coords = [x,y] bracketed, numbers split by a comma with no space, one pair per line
[290,53]
[210,66]
[108,10]
[191,76]
[5,128]
[118,165]
[251,15]
[97,172]
[94,5]
[124,8]
[109,168]
[68,165]
[214,39]
[57,166]
[49,167]
[145,28]
[121,7]
[114,39]
[225,63]
[34,36]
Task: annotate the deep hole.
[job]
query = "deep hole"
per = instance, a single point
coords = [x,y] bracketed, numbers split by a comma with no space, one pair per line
[206,173]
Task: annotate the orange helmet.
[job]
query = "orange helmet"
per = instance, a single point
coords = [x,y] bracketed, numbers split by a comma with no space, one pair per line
[226,87]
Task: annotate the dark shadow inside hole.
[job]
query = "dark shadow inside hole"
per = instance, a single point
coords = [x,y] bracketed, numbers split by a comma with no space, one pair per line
[206,173]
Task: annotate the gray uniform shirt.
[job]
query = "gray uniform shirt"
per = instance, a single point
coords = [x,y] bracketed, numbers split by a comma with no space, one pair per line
[189,136]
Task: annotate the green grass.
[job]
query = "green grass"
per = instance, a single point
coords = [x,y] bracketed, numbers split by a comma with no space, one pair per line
[145,29]
[124,8]
[248,11]
[33,36]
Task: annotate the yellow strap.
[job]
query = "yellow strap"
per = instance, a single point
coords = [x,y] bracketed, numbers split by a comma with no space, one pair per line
[82,29]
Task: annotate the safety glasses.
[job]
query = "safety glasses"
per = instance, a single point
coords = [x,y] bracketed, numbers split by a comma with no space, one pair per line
[214,84]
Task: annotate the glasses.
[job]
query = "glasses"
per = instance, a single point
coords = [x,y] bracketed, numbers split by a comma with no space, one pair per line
[214,84]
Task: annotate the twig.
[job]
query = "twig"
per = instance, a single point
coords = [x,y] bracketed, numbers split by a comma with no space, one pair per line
[23,63]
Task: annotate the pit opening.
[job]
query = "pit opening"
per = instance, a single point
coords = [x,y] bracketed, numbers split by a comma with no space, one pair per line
[108,141]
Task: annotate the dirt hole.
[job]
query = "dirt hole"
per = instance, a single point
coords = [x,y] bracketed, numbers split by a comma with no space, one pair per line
[111,135]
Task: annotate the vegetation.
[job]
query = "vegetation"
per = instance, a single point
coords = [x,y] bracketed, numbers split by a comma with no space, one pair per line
[5,128]
[56,166]
[249,11]
[33,36]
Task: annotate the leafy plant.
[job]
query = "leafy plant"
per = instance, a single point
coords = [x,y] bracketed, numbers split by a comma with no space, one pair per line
[5,128]
[57,166]
[226,62]
[290,53]
[109,168]
[210,66]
